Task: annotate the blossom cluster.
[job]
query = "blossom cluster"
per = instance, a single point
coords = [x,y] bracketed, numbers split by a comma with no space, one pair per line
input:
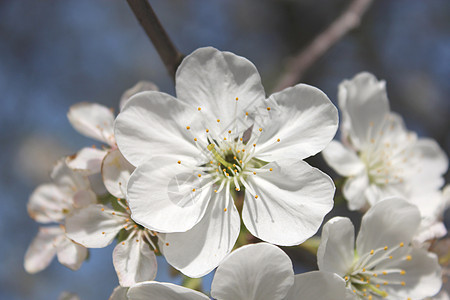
[186,177]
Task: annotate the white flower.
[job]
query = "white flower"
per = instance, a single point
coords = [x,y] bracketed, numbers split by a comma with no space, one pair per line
[378,155]
[52,203]
[222,135]
[253,272]
[96,226]
[384,264]
[96,121]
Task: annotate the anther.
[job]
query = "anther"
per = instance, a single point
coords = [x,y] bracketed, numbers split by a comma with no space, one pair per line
[229,131]
[402,244]
[218,120]
[408,257]
[403,283]
[195,139]
[224,138]
[225,209]
[215,191]
[385,248]
[270,169]
[254,145]
[199,109]
[256,196]
[246,113]
[278,140]
[193,190]
[260,129]
[113,213]
[207,130]
[179,162]
[199,175]
[167,244]
[371,252]
[187,127]
[123,243]
[268,108]
[103,232]
[254,173]
[103,209]
[346,278]
[402,272]
[237,98]
[137,241]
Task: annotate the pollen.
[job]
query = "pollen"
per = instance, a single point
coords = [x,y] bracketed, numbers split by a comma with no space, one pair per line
[408,257]
[246,113]
[103,209]
[225,209]
[254,173]
[402,244]
[241,139]
[207,130]
[193,190]
[384,273]
[123,243]
[199,175]
[195,139]
[385,283]
[371,252]
[385,248]
[113,213]
[218,120]
[402,272]
[278,140]
[224,138]
[403,283]
[229,131]
[187,127]
[256,196]
[137,241]
[199,109]
[237,98]
[237,190]
[254,145]
[215,191]
[103,232]
[167,244]
[268,109]
[270,169]
[260,129]
[346,278]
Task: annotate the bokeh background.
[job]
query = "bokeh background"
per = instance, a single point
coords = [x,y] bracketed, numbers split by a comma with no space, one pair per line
[55,53]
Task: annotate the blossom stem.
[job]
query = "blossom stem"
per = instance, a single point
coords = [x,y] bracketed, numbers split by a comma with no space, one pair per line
[169,54]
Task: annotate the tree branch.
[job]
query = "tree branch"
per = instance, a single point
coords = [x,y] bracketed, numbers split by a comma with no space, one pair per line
[347,21]
[169,54]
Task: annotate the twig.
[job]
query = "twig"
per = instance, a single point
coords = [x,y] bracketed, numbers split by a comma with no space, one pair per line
[169,54]
[347,21]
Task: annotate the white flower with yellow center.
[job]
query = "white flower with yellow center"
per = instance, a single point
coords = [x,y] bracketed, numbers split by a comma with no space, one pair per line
[221,136]
[377,154]
[384,264]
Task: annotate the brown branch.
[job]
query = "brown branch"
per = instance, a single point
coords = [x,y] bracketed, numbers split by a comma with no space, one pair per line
[347,21]
[169,54]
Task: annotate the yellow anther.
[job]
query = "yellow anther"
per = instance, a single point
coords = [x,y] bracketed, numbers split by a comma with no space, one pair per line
[385,283]
[270,169]
[377,285]
[238,151]
[113,213]
[217,170]
[218,120]
[240,161]
[207,130]
[199,109]
[254,145]
[224,138]
[243,150]
[402,244]
[278,140]
[225,209]
[354,291]
[195,139]
[364,269]
[371,252]
[211,162]
[384,273]
[268,108]
[179,162]
[123,243]
[137,241]
[193,190]
[227,174]
[187,127]
[237,190]
[241,139]
[390,256]
[246,113]
[103,232]
[103,209]
[346,278]
[254,173]
[385,248]
[256,196]
[229,131]
[237,98]
[215,191]
[403,283]
[402,272]
[375,275]
[199,175]
[260,129]
[167,244]
[234,157]
[408,257]
[135,226]
[127,220]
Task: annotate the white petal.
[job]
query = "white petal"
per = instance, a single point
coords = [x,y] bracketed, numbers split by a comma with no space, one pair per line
[337,246]
[42,250]
[423,277]
[292,201]
[93,120]
[387,223]
[68,179]
[94,226]
[119,293]
[317,285]
[166,196]
[141,86]
[304,120]
[342,159]
[163,291]
[84,198]
[70,254]
[87,159]
[354,189]
[254,272]
[364,105]
[48,203]
[134,261]
[116,171]
[152,124]
[212,80]
[199,250]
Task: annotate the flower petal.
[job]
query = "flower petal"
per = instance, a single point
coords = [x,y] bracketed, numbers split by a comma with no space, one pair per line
[387,223]
[292,199]
[342,159]
[302,118]
[84,198]
[422,277]
[94,226]
[166,196]
[317,285]
[354,189]
[364,105]
[87,159]
[163,291]
[93,120]
[68,179]
[134,261]
[152,124]
[70,254]
[41,250]
[199,250]
[141,86]
[116,171]
[254,272]
[222,84]
[337,246]
[119,293]
[48,203]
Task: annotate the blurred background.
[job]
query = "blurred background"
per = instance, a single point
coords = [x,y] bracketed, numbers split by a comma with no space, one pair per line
[56,53]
